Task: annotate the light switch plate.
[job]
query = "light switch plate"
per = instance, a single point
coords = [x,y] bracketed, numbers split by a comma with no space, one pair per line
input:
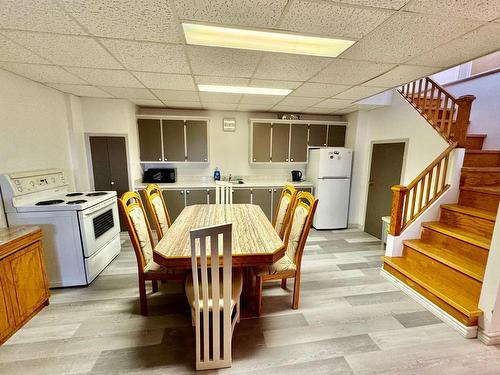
[229,124]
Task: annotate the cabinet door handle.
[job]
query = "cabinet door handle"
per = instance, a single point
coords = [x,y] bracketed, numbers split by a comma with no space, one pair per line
[205,159]
[286,159]
[112,182]
[166,159]
[159,159]
[275,190]
[187,191]
[270,190]
[291,159]
[182,192]
[254,159]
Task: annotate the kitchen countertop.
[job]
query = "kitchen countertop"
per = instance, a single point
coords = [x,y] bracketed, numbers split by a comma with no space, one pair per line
[207,184]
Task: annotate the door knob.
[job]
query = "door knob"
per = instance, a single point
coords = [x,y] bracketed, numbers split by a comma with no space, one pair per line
[112,182]
[371,183]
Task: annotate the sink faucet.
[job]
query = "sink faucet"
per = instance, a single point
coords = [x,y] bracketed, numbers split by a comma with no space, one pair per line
[230,177]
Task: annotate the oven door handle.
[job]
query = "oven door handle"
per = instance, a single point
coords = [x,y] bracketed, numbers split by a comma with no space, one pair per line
[106,204]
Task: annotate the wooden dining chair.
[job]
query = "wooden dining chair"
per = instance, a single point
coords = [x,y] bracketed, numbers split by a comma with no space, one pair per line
[138,228]
[158,209]
[283,209]
[223,192]
[302,214]
[213,295]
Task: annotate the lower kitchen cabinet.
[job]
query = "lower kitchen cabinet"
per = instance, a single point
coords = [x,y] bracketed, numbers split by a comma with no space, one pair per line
[241,196]
[276,199]
[23,280]
[174,199]
[263,198]
[196,196]
[307,189]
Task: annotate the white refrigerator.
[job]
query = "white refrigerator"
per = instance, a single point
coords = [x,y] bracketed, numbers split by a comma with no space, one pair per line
[329,170]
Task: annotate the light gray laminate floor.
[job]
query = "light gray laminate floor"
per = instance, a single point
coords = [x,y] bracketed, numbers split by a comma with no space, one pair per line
[350,321]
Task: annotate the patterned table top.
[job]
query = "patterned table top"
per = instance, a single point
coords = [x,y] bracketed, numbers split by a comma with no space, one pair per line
[255,242]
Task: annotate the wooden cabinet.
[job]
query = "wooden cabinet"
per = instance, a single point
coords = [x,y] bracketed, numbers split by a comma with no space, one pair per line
[261,142]
[336,135]
[175,201]
[317,135]
[196,196]
[173,140]
[242,196]
[280,143]
[150,140]
[263,198]
[23,280]
[298,143]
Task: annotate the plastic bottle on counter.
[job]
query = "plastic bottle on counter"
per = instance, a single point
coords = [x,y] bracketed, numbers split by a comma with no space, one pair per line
[216,174]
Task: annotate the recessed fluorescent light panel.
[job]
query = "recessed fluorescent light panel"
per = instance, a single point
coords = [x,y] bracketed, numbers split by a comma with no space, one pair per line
[215,36]
[244,90]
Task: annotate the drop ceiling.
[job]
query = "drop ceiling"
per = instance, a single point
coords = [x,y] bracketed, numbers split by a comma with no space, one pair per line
[136,50]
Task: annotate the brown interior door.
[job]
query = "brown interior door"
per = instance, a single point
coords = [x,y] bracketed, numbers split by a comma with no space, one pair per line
[149,139]
[385,171]
[173,140]
[298,143]
[336,135]
[281,137]
[196,141]
[261,142]
[317,135]
[100,162]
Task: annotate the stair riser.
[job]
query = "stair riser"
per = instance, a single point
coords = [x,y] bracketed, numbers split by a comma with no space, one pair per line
[470,223]
[482,160]
[473,178]
[468,321]
[474,143]
[461,248]
[483,201]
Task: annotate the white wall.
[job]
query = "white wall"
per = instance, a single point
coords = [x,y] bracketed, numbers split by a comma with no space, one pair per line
[397,122]
[485,109]
[33,127]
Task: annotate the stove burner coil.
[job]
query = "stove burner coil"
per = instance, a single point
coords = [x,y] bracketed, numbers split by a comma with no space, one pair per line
[78,201]
[96,194]
[49,202]
[74,194]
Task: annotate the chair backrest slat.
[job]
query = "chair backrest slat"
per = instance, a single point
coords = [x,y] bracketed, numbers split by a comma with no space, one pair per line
[223,192]
[282,213]
[158,209]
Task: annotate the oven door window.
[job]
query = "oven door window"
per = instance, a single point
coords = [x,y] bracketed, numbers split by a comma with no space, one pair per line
[103,223]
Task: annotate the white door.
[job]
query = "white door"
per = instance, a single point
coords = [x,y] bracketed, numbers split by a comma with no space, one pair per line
[333,205]
[335,162]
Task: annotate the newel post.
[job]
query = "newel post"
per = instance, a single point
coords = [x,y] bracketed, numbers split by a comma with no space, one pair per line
[463,118]
[398,200]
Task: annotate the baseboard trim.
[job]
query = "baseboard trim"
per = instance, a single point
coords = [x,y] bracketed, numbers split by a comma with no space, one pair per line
[488,338]
[465,331]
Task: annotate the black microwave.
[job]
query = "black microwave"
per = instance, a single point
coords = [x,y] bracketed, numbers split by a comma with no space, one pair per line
[159,175]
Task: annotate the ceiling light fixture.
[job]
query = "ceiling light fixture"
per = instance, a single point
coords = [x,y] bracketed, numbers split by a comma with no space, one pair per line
[244,90]
[216,36]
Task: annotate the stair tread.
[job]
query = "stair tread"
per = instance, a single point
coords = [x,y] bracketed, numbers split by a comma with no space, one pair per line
[465,265]
[495,190]
[460,234]
[476,135]
[482,151]
[483,214]
[481,169]
[440,286]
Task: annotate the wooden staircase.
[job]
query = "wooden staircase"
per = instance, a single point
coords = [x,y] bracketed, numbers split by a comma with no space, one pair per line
[446,265]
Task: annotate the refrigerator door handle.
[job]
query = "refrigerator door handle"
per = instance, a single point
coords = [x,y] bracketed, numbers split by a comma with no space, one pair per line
[334,178]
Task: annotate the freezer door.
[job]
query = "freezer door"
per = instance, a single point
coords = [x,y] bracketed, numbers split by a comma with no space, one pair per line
[333,206]
[335,162]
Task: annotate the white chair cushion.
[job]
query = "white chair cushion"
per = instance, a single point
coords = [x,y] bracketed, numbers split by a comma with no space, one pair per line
[298,221]
[282,265]
[237,287]
[139,222]
[280,218]
[160,213]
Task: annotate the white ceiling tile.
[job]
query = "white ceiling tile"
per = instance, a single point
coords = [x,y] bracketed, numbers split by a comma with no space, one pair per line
[166,81]
[332,19]
[36,15]
[299,101]
[152,57]
[223,81]
[106,77]
[219,97]
[271,84]
[319,111]
[333,103]
[260,99]
[81,90]
[400,75]
[226,62]
[388,4]
[70,50]
[262,13]
[344,111]
[288,108]
[468,47]
[177,95]
[127,19]
[129,92]
[147,102]
[359,92]
[289,67]
[407,35]
[42,73]
[254,107]
[350,72]
[483,10]
[10,51]
[176,104]
[220,106]
[319,90]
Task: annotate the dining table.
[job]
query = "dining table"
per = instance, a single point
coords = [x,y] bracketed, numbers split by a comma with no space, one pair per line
[254,240]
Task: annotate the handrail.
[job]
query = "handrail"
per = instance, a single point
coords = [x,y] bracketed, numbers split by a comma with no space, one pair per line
[450,116]
[409,202]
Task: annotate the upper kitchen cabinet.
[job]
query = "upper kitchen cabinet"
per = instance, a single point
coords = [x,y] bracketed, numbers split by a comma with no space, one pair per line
[196,141]
[318,135]
[280,143]
[150,139]
[298,143]
[173,140]
[261,142]
[336,135]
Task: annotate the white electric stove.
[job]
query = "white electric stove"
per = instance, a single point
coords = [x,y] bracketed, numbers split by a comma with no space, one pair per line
[81,230]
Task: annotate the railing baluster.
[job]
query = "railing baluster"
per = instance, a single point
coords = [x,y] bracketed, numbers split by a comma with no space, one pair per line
[452,114]
[444,119]
[419,92]
[421,192]
[438,176]
[413,199]
[425,93]
[445,171]
[429,186]
[413,91]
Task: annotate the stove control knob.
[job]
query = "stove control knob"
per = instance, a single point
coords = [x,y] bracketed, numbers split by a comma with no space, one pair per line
[32,183]
[19,188]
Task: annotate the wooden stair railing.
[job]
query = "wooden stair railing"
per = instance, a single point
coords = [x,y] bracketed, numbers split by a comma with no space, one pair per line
[409,202]
[450,116]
